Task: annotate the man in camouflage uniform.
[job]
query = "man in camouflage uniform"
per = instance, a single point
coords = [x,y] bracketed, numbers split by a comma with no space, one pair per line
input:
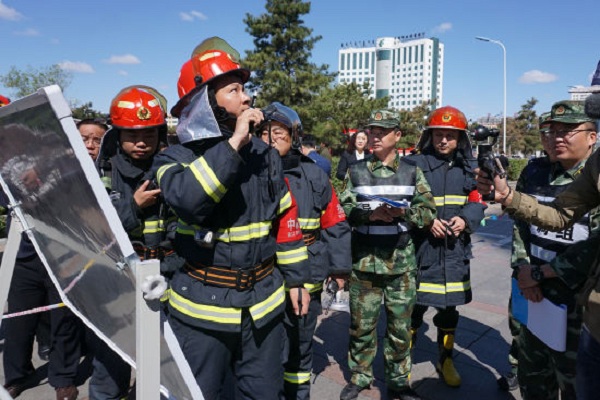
[509,381]
[538,255]
[383,256]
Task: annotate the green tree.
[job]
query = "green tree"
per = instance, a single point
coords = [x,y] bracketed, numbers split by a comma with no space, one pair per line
[337,109]
[522,133]
[280,62]
[86,111]
[28,81]
[413,122]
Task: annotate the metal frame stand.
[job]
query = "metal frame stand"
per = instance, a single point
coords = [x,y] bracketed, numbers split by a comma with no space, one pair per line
[8,260]
[147,315]
[147,335]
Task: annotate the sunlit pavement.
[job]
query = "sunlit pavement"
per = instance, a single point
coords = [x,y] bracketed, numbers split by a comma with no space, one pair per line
[482,338]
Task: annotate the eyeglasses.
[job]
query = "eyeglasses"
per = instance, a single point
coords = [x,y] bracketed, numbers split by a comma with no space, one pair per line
[565,133]
[91,139]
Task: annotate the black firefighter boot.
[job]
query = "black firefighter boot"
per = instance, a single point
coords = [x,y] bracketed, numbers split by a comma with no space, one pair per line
[445,366]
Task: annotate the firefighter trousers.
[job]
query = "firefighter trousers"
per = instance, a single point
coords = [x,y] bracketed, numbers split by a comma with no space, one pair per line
[298,348]
[254,355]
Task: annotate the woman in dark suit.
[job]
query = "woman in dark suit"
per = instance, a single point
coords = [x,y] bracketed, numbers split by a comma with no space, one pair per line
[357,150]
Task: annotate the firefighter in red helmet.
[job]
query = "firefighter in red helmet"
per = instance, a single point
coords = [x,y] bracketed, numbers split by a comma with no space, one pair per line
[444,252]
[138,119]
[325,231]
[237,230]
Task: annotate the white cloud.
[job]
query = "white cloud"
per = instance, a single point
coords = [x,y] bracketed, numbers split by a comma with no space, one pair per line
[27,32]
[199,15]
[9,14]
[123,59]
[122,72]
[442,28]
[186,17]
[55,41]
[192,15]
[76,66]
[537,76]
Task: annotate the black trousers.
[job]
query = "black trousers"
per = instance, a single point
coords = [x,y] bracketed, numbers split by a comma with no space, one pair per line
[299,350]
[31,287]
[445,318]
[254,355]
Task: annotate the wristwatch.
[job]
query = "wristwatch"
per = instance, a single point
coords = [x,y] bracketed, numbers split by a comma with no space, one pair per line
[536,273]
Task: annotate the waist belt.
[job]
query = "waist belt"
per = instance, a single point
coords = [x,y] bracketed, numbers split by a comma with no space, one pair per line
[311,236]
[147,253]
[239,279]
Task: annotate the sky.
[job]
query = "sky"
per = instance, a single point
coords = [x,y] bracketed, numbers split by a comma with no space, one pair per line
[110,44]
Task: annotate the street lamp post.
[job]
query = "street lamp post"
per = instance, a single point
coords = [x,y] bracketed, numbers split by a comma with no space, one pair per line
[499,43]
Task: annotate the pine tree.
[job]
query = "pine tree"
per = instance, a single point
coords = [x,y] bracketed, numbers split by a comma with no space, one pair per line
[522,131]
[280,63]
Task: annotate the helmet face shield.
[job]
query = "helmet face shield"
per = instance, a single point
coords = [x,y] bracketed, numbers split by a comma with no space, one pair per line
[197,120]
[285,115]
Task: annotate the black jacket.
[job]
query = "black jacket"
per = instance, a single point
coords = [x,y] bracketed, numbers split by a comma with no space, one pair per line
[346,160]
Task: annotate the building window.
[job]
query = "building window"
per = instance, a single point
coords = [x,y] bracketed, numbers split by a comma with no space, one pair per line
[354,61]
[383,55]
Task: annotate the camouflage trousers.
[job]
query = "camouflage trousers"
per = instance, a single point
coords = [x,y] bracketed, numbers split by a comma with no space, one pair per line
[366,292]
[544,372]
[515,329]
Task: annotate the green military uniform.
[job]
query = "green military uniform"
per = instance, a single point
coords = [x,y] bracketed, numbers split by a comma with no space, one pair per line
[542,371]
[384,265]
[519,257]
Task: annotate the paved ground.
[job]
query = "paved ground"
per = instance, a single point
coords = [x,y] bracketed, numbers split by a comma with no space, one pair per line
[482,340]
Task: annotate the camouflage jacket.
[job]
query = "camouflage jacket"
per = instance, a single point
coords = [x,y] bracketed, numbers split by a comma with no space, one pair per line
[387,254]
[580,197]
[545,180]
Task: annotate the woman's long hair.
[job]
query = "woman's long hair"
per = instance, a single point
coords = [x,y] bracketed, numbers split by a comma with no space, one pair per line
[352,143]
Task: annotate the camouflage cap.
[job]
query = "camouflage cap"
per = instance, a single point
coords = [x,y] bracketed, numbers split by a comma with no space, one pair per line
[544,119]
[569,112]
[385,119]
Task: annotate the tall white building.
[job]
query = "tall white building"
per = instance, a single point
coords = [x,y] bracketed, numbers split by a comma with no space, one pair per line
[408,69]
[582,92]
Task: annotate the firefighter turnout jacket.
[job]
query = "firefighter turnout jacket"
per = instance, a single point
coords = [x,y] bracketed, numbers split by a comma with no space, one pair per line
[146,228]
[444,275]
[322,220]
[236,220]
